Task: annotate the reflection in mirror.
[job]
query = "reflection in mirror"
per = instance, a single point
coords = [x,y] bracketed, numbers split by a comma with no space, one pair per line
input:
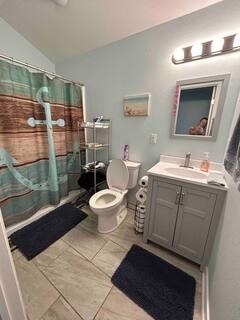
[198,106]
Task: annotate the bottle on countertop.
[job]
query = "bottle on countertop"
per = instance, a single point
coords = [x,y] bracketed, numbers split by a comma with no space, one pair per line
[126,152]
[205,163]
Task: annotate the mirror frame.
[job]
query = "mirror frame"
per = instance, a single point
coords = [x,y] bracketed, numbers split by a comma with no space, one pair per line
[224,78]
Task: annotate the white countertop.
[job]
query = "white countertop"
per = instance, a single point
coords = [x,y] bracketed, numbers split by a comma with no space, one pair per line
[160,170]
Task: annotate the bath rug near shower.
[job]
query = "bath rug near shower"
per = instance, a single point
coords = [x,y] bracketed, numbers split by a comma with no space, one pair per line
[162,290]
[39,235]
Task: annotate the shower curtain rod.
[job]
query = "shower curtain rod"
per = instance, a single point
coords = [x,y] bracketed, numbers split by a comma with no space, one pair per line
[2,56]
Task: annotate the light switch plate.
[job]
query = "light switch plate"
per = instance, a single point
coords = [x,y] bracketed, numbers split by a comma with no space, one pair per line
[153,138]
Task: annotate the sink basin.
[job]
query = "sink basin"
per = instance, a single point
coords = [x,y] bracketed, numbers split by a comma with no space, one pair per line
[187,173]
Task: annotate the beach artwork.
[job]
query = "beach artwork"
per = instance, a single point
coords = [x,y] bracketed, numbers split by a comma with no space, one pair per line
[137,105]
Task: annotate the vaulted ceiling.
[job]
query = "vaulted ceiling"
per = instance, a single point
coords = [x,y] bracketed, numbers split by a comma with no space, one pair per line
[84,25]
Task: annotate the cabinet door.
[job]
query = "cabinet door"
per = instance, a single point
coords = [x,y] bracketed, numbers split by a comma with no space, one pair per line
[164,208]
[193,222]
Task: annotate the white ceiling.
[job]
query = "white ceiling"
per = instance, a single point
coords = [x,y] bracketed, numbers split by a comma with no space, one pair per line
[85,25]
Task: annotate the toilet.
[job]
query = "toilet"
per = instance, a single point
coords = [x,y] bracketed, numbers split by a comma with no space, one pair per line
[110,205]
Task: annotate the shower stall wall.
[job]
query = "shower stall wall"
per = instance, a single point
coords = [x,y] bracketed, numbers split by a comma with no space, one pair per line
[39,140]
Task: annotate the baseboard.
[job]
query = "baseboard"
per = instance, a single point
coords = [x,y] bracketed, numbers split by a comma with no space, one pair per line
[42,212]
[205,295]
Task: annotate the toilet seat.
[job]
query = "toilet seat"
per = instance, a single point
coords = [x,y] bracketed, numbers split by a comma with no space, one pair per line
[117,175]
[106,199]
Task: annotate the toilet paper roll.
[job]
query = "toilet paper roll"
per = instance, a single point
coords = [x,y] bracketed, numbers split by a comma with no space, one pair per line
[141,208]
[141,195]
[143,182]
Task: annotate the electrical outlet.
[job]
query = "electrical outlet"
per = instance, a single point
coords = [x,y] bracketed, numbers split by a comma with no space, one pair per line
[153,138]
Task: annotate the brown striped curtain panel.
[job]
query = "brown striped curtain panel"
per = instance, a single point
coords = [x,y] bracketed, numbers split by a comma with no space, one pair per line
[39,140]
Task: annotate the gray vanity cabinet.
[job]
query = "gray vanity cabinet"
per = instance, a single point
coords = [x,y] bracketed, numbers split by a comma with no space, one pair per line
[193,221]
[183,217]
[164,212]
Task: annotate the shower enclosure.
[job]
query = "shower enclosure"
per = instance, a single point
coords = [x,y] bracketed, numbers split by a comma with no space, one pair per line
[40,158]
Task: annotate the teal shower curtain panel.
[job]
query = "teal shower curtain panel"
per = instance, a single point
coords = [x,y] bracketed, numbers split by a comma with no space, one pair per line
[39,140]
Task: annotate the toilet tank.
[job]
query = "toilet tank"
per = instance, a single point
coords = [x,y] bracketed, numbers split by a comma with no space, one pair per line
[133,169]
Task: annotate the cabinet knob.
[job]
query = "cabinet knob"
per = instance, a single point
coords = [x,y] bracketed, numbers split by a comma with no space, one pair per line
[182,198]
[177,197]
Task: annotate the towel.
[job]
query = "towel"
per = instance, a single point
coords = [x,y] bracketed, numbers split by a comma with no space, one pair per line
[232,158]
[216,179]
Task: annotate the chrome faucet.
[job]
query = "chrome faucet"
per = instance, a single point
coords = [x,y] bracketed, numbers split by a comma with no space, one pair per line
[187,161]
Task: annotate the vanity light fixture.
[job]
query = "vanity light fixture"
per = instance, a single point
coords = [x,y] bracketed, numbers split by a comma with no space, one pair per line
[207,49]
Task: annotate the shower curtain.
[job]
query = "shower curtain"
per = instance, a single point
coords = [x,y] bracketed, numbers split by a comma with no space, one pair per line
[39,140]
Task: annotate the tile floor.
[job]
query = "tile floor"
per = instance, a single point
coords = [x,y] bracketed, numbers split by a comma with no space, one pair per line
[71,280]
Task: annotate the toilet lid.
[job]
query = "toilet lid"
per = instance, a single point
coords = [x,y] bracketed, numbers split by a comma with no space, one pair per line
[117,175]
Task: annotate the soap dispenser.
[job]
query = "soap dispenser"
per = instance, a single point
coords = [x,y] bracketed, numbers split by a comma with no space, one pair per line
[205,163]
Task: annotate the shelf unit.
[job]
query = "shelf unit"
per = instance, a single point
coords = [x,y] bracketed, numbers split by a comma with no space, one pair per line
[97,137]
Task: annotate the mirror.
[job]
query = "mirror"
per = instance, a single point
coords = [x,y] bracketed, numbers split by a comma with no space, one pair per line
[198,105]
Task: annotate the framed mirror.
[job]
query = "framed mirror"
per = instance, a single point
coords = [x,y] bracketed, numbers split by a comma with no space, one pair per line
[198,105]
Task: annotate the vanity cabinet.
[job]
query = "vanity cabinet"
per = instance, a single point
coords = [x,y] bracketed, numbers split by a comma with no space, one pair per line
[183,217]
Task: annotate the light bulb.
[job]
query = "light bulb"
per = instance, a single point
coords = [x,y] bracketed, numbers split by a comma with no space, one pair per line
[196,50]
[236,42]
[217,44]
[178,54]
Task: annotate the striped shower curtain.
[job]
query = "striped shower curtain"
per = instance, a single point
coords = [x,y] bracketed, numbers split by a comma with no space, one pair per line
[39,140]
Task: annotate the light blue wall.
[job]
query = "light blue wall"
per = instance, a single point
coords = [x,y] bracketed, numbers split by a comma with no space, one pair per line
[142,63]
[15,45]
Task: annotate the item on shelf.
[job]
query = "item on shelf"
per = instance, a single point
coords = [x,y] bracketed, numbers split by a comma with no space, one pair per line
[126,152]
[103,124]
[91,165]
[93,145]
[143,182]
[98,119]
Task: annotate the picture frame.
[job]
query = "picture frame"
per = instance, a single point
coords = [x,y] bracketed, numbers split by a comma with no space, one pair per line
[136,105]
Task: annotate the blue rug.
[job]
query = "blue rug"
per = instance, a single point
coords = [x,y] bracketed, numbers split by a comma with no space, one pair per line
[39,235]
[162,290]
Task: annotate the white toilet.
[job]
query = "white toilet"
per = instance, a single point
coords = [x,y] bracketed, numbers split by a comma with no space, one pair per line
[110,205]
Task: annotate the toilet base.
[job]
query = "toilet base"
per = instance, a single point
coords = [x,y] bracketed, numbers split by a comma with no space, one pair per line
[111,223]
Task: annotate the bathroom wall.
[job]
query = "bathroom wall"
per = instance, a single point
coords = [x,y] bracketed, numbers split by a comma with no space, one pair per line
[15,45]
[142,63]
[224,267]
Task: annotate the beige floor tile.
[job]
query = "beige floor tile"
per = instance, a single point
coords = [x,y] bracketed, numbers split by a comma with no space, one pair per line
[16,254]
[51,253]
[119,307]
[38,293]
[82,284]
[124,235]
[109,257]
[61,310]
[86,243]
[90,223]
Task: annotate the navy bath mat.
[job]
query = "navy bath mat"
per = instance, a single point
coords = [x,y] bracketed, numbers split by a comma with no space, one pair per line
[37,236]
[162,290]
